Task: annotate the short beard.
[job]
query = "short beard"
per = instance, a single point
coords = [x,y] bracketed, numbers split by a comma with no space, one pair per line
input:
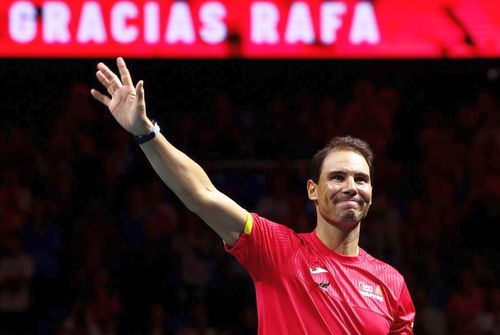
[351,216]
[348,217]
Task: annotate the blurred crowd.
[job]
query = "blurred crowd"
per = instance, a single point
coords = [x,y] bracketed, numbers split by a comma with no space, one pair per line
[93,243]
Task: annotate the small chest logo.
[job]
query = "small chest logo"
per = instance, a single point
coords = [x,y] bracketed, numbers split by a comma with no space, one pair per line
[317,270]
[370,291]
[319,278]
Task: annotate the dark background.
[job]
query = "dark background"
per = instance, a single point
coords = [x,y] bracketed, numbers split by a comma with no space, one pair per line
[112,249]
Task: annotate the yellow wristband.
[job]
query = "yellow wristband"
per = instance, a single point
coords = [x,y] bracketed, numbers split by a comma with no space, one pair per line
[248,224]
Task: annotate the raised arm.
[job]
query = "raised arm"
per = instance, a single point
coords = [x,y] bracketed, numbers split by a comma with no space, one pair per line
[179,172]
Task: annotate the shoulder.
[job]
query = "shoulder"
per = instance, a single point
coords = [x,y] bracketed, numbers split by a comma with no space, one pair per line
[383,270]
[262,223]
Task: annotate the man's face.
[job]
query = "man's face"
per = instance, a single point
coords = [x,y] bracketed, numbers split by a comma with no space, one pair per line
[344,190]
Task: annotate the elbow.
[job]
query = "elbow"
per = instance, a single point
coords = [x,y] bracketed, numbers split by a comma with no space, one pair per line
[197,202]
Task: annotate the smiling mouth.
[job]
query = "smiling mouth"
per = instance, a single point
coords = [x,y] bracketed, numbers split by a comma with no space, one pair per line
[349,202]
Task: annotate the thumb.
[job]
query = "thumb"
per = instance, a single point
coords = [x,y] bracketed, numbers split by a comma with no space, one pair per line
[139,88]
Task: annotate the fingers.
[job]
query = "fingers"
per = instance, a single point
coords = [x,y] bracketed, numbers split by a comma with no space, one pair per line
[104,99]
[124,73]
[105,82]
[112,82]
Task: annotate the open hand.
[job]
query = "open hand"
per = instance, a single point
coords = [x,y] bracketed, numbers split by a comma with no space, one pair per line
[126,104]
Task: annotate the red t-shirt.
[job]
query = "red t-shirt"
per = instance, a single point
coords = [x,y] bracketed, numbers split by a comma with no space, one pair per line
[303,287]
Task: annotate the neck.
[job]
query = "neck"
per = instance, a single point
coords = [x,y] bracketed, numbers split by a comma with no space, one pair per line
[341,239]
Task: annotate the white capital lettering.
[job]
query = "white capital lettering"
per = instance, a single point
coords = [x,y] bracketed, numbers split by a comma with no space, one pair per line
[300,27]
[364,25]
[56,18]
[264,18]
[22,22]
[180,24]
[120,30]
[213,29]
[151,22]
[91,27]
[331,21]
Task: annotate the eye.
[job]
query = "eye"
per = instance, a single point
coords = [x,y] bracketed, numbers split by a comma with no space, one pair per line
[361,179]
[336,177]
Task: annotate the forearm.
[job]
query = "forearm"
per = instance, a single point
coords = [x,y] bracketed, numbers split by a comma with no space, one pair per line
[180,173]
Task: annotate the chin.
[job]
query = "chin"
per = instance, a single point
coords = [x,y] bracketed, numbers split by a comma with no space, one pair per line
[346,223]
[350,215]
[349,218]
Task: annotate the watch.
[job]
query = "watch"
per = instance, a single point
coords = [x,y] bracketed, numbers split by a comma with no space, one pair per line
[141,139]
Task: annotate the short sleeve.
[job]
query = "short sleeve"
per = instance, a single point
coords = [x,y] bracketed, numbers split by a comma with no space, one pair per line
[405,314]
[266,246]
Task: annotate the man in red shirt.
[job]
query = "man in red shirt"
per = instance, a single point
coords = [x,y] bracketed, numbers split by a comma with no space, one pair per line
[311,283]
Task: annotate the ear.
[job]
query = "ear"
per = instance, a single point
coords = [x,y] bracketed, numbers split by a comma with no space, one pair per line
[371,198]
[312,190]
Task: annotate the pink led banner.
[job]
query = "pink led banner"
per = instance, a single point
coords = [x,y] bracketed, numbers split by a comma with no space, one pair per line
[250,29]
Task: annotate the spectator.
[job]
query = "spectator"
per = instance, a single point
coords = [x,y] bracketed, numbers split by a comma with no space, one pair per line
[16,284]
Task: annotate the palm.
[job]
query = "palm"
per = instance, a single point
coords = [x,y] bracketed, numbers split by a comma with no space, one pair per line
[125,107]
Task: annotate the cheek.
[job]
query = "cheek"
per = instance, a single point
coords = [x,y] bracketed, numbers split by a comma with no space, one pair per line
[329,189]
[366,194]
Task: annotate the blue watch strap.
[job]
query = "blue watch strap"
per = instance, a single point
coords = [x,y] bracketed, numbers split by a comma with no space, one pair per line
[141,139]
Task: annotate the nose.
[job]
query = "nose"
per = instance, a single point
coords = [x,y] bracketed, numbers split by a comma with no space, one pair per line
[350,186]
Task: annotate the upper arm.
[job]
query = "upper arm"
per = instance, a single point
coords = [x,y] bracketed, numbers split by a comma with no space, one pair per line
[222,214]
[403,323]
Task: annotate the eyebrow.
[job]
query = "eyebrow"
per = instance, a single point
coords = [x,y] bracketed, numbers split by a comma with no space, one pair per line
[358,173]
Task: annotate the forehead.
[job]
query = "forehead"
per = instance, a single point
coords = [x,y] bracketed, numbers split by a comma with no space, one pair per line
[346,161]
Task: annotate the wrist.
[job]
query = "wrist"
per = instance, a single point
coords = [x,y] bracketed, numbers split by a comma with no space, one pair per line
[143,127]
[146,137]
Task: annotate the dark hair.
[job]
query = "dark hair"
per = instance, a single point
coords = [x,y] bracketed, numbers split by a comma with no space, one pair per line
[337,144]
